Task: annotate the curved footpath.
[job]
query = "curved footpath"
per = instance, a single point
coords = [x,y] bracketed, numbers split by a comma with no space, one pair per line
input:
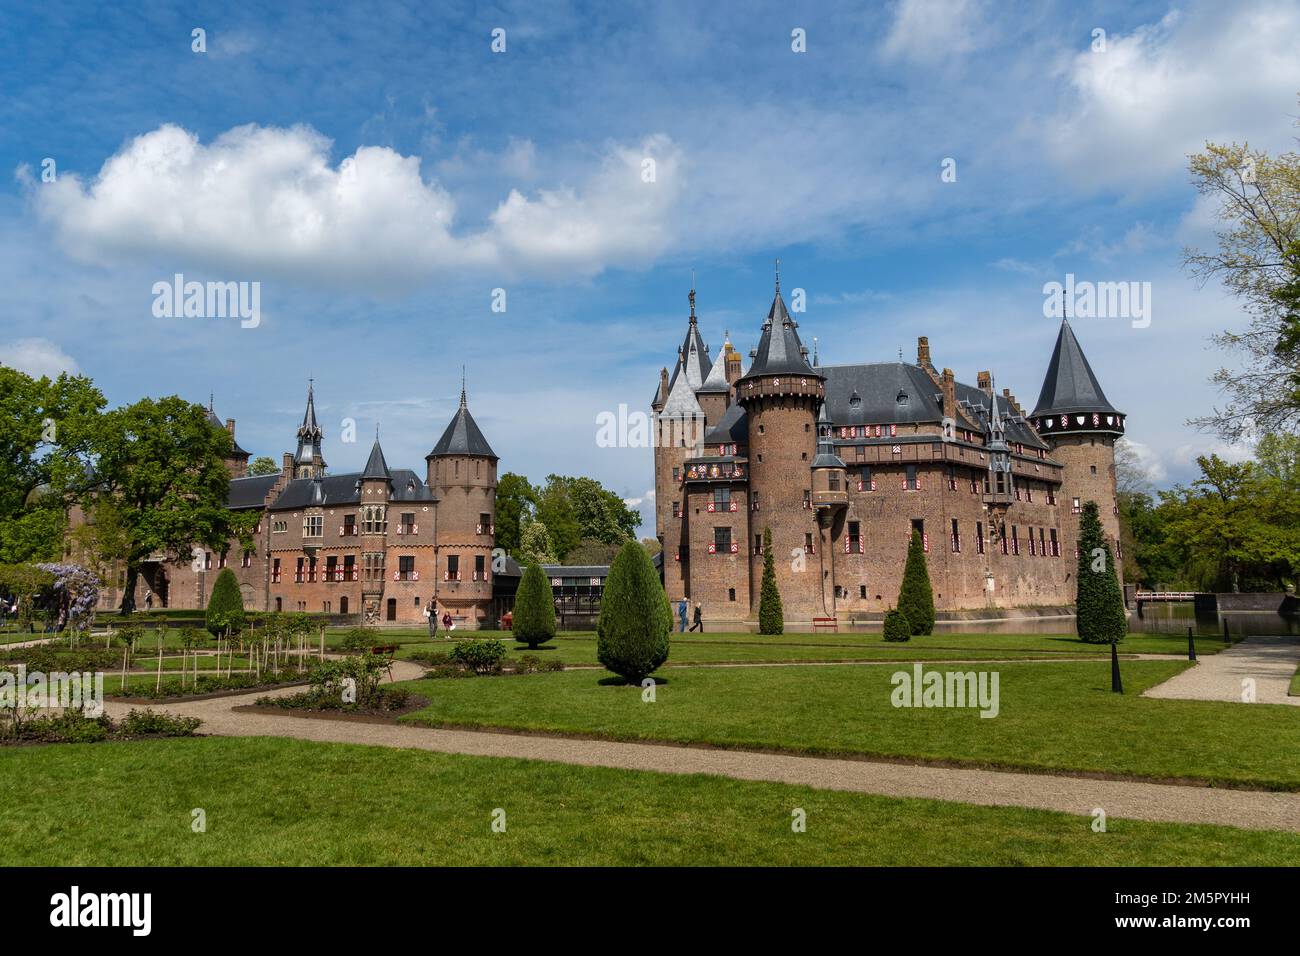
[1269,661]
[1076,795]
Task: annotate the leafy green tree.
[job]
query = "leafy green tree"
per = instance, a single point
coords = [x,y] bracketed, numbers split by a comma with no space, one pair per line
[591,551]
[262,465]
[162,466]
[896,627]
[536,544]
[1258,259]
[24,582]
[226,605]
[632,631]
[46,449]
[1099,604]
[533,622]
[771,616]
[555,510]
[577,510]
[915,595]
[516,505]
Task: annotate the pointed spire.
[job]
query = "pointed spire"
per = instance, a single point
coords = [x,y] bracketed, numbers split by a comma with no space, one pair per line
[691,297]
[778,276]
[376,466]
[462,435]
[309,432]
[1070,385]
[463,403]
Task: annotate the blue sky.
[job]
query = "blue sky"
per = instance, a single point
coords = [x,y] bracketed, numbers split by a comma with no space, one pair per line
[380,171]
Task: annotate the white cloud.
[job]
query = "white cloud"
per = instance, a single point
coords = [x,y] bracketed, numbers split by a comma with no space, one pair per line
[267,201]
[930,31]
[38,357]
[1221,73]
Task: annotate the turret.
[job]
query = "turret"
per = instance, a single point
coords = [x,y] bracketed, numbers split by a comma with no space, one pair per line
[307,460]
[1080,426]
[781,394]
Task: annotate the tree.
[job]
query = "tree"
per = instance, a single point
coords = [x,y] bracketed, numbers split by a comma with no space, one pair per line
[555,510]
[226,605]
[915,595]
[533,622]
[632,631]
[652,546]
[76,592]
[162,466]
[262,465]
[24,582]
[535,544]
[46,449]
[896,628]
[1258,259]
[516,505]
[580,509]
[771,616]
[591,551]
[1099,604]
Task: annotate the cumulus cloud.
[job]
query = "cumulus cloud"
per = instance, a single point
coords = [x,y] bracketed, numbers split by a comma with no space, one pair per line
[38,357]
[1136,110]
[265,200]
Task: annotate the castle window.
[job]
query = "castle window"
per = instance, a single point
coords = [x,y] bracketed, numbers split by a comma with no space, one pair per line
[349,567]
[1094,468]
[374,520]
[1015,541]
[406,567]
[758,544]
[677,473]
[808,543]
[803,455]
[956,537]
[862,591]
[721,499]
[298,571]
[207,560]
[731,594]
[1032,547]
[311,568]
[1056,545]
[275,572]
[833,481]
[979,537]
[722,540]
[853,543]
[453,568]
[331,568]
[373,563]
[349,525]
[677,509]
[952,477]
[221,560]
[407,523]
[865,481]
[807,499]
[485,525]
[480,568]
[313,526]
[1074,506]
[910,481]
[1042,543]
[247,561]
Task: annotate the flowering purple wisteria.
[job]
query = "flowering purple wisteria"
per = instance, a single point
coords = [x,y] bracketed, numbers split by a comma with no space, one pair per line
[77,589]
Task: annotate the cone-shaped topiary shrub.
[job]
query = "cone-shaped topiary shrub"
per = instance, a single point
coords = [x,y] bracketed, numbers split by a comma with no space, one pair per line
[771,616]
[534,617]
[226,605]
[897,629]
[632,632]
[915,596]
[1099,602]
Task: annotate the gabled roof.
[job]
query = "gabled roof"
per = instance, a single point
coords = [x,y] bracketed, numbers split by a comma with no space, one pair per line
[1015,428]
[880,393]
[732,427]
[376,467]
[682,402]
[250,492]
[462,436]
[236,451]
[403,484]
[1070,385]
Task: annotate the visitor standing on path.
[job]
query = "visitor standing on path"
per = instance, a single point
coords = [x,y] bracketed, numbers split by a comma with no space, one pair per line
[681,613]
[448,624]
[431,615]
[699,618]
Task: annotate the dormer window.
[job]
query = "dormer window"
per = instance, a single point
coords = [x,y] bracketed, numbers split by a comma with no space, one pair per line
[855,399]
[902,398]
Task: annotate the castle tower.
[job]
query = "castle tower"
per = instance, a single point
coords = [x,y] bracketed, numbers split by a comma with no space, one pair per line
[376,488]
[781,394]
[462,474]
[1080,427]
[307,460]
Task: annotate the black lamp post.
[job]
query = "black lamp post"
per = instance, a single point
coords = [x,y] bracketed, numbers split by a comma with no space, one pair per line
[1116,685]
[1191,646]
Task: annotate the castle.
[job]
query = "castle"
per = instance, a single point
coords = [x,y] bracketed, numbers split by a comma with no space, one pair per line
[843,462]
[378,543]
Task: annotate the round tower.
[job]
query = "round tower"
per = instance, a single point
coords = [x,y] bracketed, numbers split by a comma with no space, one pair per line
[1080,427]
[462,474]
[781,394]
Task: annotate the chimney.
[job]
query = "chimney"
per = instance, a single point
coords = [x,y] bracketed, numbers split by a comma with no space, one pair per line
[1011,400]
[663,390]
[949,385]
[286,468]
[733,364]
[985,381]
[230,427]
[923,352]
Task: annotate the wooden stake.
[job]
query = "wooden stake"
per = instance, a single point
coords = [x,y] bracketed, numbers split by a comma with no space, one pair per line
[124,653]
[158,684]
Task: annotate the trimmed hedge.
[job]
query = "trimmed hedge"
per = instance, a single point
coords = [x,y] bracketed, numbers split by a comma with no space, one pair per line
[226,605]
[897,629]
[915,595]
[1099,602]
[771,616]
[534,616]
[632,631]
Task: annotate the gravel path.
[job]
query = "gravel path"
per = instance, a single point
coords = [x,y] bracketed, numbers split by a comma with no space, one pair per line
[1077,795]
[1269,661]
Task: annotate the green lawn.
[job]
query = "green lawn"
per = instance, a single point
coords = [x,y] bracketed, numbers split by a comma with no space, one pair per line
[287,802]
[1053,716]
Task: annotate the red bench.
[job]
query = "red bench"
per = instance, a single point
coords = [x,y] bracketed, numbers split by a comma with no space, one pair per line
[828,622]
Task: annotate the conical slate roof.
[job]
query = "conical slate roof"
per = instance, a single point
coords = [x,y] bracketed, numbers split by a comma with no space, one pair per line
[376,467]
[693,361]
[214,420]
[1070,385]
[462,436]
[717,377]
[682,402]
[309,432]
[779,350]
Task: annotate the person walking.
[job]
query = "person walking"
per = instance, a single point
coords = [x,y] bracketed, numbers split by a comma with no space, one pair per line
[699,618]
[431,615]
[448,624]
[148,600]
[681,614]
